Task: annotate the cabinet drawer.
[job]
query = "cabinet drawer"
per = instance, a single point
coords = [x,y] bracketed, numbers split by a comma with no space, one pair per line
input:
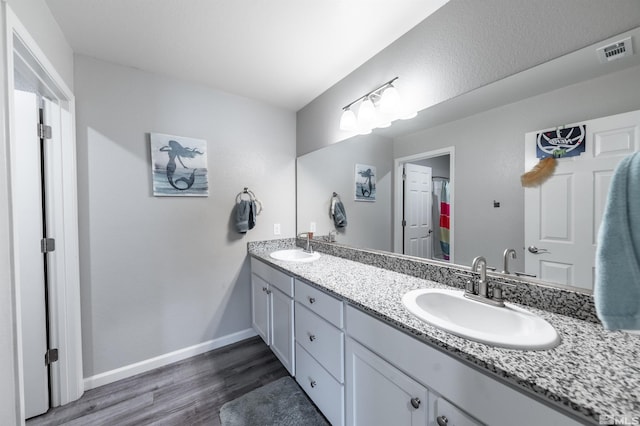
[325,391]
[319,302]
[321,339]
[280,280]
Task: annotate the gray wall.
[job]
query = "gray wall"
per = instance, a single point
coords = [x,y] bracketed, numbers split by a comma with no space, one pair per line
[162,274]
[489,157]
[38,21]
[332,169]
[467,44]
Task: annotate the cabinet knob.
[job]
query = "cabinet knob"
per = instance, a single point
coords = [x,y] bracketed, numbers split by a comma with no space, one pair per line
[442,420]
[312,300]
[264,289]
[312,337]
[268,291]
[313,383]
[415,402]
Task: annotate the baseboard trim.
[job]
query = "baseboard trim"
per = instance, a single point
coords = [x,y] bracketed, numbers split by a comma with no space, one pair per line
[162,360]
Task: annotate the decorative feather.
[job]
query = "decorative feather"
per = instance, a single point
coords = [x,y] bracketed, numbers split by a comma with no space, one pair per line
[539,173]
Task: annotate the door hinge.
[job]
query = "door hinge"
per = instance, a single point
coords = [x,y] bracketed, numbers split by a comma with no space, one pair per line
[44,131]
[404,222]
[50,356]
[47,245]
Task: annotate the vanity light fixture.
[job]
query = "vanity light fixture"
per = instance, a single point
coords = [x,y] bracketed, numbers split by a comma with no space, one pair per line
[378,109]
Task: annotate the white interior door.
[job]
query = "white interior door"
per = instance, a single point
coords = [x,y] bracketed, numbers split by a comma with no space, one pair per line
[30,260]
[418,229]
[563,215]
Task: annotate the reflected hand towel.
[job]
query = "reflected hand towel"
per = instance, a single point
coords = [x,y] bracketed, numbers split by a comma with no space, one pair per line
[339,214]
[617,283]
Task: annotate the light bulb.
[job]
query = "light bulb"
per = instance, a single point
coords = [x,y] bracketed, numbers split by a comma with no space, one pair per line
[366,114]
[390,102]
[348,120]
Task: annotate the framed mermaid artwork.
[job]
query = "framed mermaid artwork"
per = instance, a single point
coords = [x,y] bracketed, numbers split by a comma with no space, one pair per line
[365,183]
[178,166]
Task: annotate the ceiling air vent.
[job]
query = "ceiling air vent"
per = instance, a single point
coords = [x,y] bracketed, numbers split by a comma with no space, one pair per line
[616,50]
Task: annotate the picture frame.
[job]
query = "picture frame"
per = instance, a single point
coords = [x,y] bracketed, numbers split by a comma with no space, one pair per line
[178,166]
[365,183]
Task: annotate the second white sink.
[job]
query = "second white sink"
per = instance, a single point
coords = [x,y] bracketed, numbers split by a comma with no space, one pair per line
[295,255]
[507,327]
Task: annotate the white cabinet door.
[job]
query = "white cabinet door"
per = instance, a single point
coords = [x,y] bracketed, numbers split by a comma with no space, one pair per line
[442,413]
[260,307]
[282,328]
[380,394]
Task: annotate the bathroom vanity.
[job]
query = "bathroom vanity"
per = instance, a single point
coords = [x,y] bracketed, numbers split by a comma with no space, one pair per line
[364,359]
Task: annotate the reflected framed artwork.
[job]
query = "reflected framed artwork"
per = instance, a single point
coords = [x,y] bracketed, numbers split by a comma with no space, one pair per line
[365,183]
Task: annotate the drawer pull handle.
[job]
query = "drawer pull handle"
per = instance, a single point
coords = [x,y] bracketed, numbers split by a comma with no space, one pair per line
[415,402]
[312,337]
[442,420]
[313,383]
[312,300]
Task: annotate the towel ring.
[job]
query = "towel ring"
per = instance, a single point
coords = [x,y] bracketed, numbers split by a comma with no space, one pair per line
[252,197]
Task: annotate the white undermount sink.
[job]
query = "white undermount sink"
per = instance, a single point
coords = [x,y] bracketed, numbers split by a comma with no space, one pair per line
[507,327]
[295,255]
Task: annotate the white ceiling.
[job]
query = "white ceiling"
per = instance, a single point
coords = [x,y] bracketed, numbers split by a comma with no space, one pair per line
[284,52]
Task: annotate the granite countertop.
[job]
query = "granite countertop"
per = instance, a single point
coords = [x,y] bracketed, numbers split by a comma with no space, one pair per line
[593,373]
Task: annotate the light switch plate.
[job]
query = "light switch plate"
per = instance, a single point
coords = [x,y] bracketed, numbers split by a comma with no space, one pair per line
[312,227]
[276,229]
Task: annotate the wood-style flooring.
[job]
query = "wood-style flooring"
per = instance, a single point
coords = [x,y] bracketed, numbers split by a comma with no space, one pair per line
[189,392]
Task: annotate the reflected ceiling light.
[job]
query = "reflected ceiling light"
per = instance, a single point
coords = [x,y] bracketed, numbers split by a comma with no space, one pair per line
[378,109]
[406,115]
[366,114]
[390,101]
[348,120]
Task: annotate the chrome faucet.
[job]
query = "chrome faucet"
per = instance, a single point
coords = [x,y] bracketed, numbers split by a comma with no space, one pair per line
[482,295]
[505,259]
[308,248]
[481,262]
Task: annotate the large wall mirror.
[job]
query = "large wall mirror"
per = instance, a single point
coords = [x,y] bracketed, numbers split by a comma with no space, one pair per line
[477,142]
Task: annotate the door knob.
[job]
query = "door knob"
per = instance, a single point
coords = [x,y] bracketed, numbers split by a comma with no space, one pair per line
[442,420]
[415,402]
[536,250]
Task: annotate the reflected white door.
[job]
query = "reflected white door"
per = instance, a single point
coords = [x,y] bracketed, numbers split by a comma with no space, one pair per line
[563,215]
[30,260]
[418,229]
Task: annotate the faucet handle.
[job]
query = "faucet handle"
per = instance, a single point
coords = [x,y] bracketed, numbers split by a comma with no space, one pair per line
[497,290]
[469,285]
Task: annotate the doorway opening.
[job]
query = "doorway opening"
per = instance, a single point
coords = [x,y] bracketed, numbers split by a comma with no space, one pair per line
[44,227]
[423,205]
